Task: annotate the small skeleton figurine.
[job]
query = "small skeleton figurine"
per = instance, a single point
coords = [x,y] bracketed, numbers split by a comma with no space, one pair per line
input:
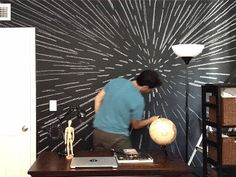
[69,139]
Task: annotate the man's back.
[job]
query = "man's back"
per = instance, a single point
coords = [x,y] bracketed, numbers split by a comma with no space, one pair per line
[122,102]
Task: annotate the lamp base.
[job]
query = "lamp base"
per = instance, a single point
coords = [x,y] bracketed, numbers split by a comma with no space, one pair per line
[187,59]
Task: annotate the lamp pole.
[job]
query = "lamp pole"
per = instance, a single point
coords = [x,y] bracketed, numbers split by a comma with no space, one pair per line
[187,52]
[186,61]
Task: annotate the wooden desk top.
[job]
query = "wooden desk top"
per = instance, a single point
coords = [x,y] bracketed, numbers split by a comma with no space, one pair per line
[50,164]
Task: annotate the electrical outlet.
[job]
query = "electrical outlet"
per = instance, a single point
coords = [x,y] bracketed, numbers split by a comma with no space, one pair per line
[52,105]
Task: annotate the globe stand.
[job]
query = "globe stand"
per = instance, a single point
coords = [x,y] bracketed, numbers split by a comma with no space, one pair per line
[163,148]
[163,132]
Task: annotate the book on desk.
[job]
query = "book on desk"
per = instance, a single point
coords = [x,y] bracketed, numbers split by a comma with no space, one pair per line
[131,156]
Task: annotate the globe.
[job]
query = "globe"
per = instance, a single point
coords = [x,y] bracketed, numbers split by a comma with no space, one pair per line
[162,131]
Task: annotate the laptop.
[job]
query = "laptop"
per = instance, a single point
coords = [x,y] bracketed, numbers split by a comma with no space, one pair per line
[94,162]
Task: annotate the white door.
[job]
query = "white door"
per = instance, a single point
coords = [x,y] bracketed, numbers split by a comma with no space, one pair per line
[17,101]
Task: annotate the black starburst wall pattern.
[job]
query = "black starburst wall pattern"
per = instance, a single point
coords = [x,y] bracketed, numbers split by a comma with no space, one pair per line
[82,45]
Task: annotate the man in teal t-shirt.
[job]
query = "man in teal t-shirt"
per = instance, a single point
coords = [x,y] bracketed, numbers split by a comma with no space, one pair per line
[119,105]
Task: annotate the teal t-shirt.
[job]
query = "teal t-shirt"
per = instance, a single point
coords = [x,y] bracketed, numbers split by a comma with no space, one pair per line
[122,102]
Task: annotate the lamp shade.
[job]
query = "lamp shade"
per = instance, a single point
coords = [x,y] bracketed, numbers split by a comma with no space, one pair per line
[187,50]
[162,131]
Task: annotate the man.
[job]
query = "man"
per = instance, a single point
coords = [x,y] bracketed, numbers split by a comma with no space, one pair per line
[117,106]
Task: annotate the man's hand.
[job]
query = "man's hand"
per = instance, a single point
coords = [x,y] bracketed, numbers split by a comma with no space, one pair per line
[136,124]
[153,118]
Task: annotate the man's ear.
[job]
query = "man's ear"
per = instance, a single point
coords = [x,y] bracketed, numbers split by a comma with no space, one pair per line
[144,87]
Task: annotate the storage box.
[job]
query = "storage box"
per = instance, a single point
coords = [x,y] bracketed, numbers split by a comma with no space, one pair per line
[228,149]
[228,106]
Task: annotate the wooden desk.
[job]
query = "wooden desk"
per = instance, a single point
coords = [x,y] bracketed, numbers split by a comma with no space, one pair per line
[49,164]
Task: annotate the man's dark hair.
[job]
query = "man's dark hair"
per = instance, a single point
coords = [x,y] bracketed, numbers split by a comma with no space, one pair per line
[149,78]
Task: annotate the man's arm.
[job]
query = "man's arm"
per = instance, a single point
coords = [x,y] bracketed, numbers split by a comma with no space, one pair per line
[136,124]
[98,100]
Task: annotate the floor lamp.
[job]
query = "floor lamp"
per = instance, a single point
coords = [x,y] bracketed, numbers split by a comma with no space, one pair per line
[187,52]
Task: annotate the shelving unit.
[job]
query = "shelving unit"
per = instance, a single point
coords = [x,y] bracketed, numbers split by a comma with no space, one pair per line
[219,150]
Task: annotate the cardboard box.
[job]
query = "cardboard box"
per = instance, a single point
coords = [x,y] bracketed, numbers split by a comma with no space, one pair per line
[228,149]
[228,110]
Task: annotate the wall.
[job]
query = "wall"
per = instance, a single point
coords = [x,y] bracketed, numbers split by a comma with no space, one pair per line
[81,45]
